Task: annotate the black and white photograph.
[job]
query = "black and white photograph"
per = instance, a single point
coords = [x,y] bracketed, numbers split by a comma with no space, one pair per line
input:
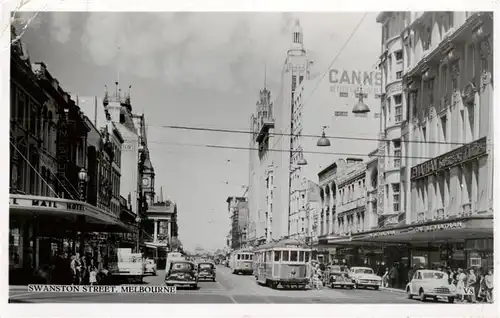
[250,157]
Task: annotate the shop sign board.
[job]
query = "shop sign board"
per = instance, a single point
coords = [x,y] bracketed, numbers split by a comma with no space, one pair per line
[47,203]
[457,156]
[439,227]
[384,233]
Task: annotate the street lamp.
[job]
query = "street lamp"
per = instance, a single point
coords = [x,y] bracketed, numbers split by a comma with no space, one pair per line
[138,221]
[323,141]
[82,177]
[302,161]
[360,107]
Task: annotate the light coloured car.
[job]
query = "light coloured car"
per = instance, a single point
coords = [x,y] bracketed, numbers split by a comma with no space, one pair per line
[427,283]
[365,277]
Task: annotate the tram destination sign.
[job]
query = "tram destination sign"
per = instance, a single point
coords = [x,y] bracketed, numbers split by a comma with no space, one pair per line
[450,159]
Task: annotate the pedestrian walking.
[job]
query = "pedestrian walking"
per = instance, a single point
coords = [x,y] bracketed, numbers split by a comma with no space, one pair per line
[488,282]
[93,276]
[471,282]
[461,277]
[385,278]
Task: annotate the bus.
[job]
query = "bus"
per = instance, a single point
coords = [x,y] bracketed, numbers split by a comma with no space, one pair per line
[282,263]
[241,261]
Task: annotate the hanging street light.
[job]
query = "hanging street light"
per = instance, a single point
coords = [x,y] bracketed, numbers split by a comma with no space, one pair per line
[360,107]
[302,161]
[323,141]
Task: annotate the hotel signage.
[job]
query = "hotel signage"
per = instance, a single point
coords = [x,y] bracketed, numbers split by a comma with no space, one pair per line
[47,203]
[450,159]
[439,227]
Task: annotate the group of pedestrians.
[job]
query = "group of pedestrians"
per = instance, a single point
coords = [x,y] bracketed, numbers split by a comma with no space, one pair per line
[83,271]
[477,280]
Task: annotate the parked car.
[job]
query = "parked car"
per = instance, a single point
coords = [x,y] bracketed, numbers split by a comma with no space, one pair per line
[338,275]
[206,271]
[365,277]
[150,266]
[431,284]
[182,273]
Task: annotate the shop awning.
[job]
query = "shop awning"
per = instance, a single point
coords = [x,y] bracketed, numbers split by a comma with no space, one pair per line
[455,230]
[156,245]
[28,205]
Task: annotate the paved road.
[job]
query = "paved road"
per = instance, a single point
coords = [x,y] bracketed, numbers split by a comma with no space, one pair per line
[228,288]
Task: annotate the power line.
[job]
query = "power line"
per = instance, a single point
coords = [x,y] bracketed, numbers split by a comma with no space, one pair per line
[312,136]
[285,150]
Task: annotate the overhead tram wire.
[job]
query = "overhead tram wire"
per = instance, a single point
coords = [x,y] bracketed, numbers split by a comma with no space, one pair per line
[282,150]
[235,131]
[222,130]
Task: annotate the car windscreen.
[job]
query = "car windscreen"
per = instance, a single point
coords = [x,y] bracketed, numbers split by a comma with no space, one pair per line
[434,275]
[182,266]
[363,271]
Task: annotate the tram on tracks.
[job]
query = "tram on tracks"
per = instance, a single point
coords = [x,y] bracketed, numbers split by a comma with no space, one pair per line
[241,261]
[282,263]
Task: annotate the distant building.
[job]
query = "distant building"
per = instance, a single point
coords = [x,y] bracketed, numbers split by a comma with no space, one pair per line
[238,211]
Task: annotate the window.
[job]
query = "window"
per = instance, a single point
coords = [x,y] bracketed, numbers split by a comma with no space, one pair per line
[397,158]
[294,256]
[395,196]
[399,75]
[238,256]
[301,256]
[398,99]
[398,55]
[398,117]
[285,256]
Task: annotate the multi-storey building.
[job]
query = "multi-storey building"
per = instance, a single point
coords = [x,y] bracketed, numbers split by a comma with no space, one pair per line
[115,140]
[48,212]
[445,190]
[238,211]
[393,109]
[261,170]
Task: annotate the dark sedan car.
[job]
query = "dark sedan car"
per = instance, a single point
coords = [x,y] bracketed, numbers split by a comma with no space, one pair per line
[182,273]
[206,271]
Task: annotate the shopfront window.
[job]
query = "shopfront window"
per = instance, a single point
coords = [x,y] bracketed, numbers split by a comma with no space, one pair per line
[14,248]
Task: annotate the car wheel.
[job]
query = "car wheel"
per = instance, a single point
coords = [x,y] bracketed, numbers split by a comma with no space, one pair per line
[356,286]
[376,287]
[195,286]
[408,293]
[213,279]
[422,295]
[451,300]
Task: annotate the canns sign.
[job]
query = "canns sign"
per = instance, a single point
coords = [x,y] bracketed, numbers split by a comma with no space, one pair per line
[348,81]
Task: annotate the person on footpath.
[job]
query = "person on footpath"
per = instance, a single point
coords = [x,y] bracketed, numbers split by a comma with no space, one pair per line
[471,283]
[461,277]
[488,282]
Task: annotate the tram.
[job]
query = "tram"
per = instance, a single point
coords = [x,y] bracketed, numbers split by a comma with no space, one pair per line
[283,263]
[241,261]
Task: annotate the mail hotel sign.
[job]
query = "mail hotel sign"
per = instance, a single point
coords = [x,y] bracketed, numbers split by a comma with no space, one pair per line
[455,157]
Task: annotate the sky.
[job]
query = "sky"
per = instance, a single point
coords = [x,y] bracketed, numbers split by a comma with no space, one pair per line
[193,69]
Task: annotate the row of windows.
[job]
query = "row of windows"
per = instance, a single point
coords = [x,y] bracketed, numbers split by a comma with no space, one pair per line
[285,256]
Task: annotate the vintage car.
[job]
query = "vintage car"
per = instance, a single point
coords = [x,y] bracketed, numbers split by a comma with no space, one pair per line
[338,275]
[182,273]
[365,277]
[206,271]
[431,284]
[149,266]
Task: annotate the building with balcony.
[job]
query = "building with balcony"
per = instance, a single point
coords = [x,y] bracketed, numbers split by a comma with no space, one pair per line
[446,186]
[48,212]
[393,116]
